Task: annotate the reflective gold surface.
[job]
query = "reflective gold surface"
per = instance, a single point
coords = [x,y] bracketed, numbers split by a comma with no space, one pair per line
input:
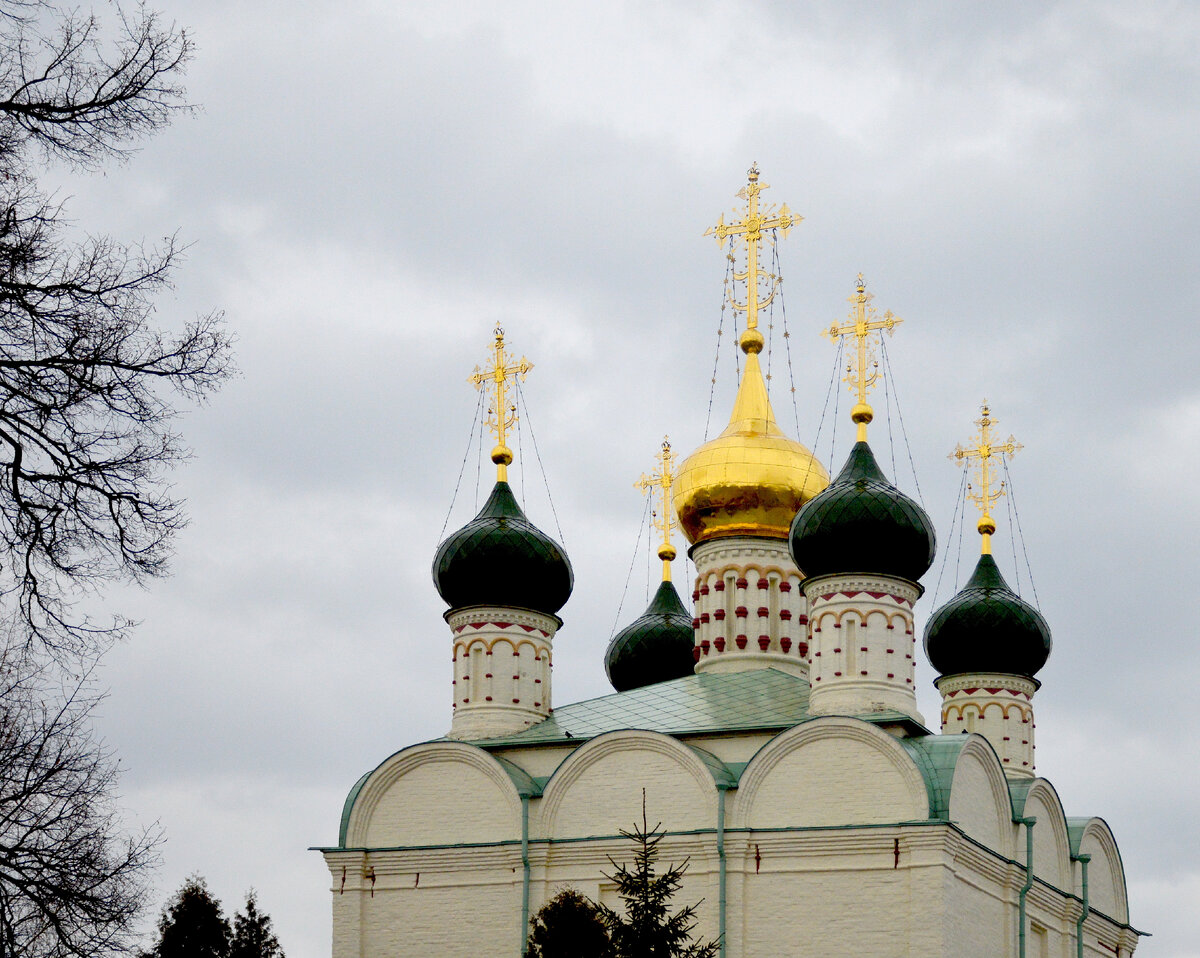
[862,368]
[983,449]
[663,519]
[750,229]
[502,412]
[751,479]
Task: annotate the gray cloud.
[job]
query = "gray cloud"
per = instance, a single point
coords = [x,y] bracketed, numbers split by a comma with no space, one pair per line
[370,190]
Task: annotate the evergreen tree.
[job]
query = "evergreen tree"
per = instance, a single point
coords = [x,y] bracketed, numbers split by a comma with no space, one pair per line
[253,936]
[648,929]
[192,925]
[569,925]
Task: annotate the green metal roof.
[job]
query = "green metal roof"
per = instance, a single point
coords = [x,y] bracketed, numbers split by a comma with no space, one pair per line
[722,774]
[936,756]
[500,558]
[1018,791]
[523,782]
[723,702]
[655,647]
[862,523]
[1075,830]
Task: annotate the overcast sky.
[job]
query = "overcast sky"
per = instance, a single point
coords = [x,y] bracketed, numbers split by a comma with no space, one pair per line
[372,186]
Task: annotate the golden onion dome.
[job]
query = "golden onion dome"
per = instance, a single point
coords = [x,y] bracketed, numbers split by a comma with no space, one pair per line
[752,479]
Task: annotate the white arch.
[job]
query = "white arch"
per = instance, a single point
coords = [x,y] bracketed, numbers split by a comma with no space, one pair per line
[1051,842]
[597,789]
[830,771]
[435,793]
[979,797]
[1106,873]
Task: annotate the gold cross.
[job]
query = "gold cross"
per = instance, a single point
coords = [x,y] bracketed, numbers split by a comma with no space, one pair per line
[862,368]
[751,226]
[665,521]
[985,449]
[502,414]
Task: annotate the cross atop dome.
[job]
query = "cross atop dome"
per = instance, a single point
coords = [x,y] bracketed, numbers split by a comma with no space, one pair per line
[502,414]
[751,226]
[751,479]
[862,368]
[984,450]
[664,520]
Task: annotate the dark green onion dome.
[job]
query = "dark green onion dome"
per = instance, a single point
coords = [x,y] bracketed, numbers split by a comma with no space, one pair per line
[862,523]
[502,559]
[655,647]
[987,627]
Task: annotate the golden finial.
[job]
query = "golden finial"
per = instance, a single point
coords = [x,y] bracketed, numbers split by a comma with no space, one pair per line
[754,221]
[862,368]
[502,414]
[985,449]
[663,518]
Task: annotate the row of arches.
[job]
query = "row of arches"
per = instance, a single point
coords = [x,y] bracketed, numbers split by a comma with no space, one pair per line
[822,773]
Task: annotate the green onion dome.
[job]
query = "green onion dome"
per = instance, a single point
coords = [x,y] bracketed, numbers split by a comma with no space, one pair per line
[987,627]
[655,647]
[502,559]
[861,523]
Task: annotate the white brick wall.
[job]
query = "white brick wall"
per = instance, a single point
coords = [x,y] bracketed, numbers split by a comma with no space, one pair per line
[817,867]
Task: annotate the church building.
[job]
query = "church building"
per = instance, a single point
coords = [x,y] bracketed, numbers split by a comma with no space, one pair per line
[773,730]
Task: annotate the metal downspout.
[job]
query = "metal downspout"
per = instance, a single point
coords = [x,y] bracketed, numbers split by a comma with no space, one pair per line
[721,791]
[1028,823]
[1083,861]
[525,875]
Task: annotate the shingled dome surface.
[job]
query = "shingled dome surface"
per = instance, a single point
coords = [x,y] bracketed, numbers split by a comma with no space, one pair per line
[502,559]
[655,647]
[987,627]
[862,523]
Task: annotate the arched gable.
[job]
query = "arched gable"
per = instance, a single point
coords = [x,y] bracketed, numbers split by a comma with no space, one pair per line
[433,794]
[979,799]
[830,771]
[1051,844]
[1106,873]
[597,790]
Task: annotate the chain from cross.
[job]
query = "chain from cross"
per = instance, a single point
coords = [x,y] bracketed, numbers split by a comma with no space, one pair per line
[983,450]
[751,226]
[862,366]
[663,518]
[502,414]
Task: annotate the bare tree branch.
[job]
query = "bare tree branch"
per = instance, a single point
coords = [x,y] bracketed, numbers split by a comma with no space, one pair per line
[88,385]
[71,877]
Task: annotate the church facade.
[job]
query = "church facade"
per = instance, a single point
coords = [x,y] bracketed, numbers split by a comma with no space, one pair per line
[773,731]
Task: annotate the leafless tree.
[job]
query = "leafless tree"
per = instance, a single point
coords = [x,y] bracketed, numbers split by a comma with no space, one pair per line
[71,878]
[89,386]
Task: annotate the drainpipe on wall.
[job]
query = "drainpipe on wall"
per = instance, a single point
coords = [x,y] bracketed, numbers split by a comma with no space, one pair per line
[721,790]
[1083,861]
[1028,823]
[525,875]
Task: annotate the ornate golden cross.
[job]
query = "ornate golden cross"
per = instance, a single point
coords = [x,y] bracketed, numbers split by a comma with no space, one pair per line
[664,519]
[751,226]
[502,414]
[985,449]
[862,368]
